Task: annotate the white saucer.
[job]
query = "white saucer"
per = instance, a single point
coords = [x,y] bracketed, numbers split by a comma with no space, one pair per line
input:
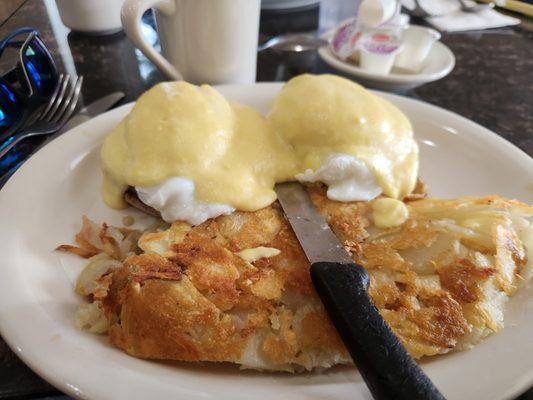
[440,62]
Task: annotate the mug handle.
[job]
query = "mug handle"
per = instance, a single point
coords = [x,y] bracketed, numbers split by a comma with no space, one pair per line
[131,14]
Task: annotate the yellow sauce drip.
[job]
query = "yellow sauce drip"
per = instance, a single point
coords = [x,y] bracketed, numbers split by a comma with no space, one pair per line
[388,213]
[234,155]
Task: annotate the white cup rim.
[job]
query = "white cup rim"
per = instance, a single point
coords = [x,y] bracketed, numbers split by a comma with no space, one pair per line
[433,32]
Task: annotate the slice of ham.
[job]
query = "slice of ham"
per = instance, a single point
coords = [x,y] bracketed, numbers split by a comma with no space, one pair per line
[133,200]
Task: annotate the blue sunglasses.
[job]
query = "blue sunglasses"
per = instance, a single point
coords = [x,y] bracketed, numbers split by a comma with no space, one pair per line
[30,83]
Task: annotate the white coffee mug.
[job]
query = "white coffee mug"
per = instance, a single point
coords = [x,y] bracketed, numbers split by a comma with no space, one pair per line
[202,41]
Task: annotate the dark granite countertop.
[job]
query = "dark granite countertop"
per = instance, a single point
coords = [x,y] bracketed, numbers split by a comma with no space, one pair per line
[491,84]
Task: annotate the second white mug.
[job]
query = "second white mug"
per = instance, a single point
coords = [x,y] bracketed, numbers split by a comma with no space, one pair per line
[202,41]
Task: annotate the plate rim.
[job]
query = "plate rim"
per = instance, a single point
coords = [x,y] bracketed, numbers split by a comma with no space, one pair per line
[38,364]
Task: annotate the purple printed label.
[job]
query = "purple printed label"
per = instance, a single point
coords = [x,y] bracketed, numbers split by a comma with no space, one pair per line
[342,35]
[381,48]
[381,44]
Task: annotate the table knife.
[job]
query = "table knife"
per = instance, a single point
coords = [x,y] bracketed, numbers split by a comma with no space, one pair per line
[90,111]
[385,365]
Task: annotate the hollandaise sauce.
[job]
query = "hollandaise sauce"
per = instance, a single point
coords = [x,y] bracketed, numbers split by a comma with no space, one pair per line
[324,114]
[229,151]
[235,156]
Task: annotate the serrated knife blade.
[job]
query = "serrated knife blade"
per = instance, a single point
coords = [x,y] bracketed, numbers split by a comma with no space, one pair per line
[311,228]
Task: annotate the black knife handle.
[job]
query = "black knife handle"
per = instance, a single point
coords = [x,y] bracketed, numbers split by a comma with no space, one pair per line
[387,368]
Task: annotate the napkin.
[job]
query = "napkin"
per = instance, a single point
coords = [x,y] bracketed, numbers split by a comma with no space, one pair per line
[447,16]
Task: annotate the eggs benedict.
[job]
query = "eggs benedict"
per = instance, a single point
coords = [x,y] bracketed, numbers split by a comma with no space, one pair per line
[326,114]
[191,155]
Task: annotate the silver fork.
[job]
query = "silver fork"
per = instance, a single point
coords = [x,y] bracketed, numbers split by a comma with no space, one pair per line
[53,116]
[42,111]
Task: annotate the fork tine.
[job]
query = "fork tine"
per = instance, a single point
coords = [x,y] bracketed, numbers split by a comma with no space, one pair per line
[54,117]
[54,95]
[31,120]
[59,98]
[37,116]
[70,104]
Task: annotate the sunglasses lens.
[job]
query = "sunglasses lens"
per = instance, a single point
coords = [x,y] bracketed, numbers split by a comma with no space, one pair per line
[10,107]
[40,67]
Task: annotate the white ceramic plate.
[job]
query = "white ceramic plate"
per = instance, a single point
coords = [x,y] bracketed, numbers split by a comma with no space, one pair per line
[41,207]
[440,62]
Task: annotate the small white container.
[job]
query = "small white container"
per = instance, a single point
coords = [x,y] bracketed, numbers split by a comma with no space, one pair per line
[417,42]
[94,17]
[397,25]
[373,13]
[377,53]
[345,38]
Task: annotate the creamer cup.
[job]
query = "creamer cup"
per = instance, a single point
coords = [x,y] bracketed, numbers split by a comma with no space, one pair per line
[373,13]
[345,39]
[377,53]
[417,41]
[397,25]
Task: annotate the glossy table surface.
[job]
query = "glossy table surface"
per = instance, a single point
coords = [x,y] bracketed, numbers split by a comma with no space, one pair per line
[492,84]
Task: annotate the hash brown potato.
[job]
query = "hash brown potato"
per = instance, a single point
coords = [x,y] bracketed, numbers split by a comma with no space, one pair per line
[186,293]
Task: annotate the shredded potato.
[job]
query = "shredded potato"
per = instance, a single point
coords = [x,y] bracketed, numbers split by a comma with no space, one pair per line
[441,281]
[93,239]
